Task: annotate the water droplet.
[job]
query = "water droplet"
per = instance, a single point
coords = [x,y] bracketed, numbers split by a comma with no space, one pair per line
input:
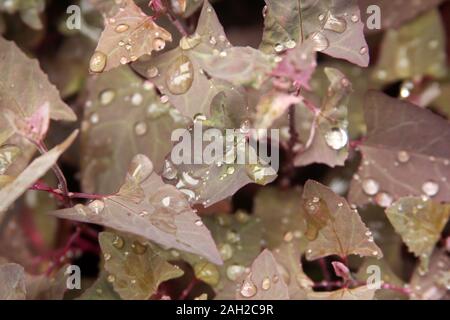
[232,237]
[198,223]
[383,199]
[164,99]
[207,272]
[403,156]
[140,128]
[336,24]
[152,72]
[320,41]
[98,62]
[169,170]
[122,28]
[189,180]
[279,47]
[266,283]
[123,60]
[370,187]
[166,201]
[375,253]
[230,170]
[136,99]
[190,42]
[321,17]
[97,206]
[363,50]
[288,236]
[107,96]
[226,251]
[118,242]
[248,289]
[111,278]
[107,256]
[235,271]
[158,44]
[355,18]
[336,138]
[180,75]
[212,40]
[138,247]
[430,188]
[290,44]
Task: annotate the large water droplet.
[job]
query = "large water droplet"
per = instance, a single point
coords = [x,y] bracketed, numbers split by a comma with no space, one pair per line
[158,44]
[98,62]
[152,72]
[180,75]
[140,128]
[383,199]
[138,247]
[107,96]
[336,138]
[430,188]
[235,271]
[97,206]
[320,41]
[370,187]
[122,28]
[136,99]
[266,284]
[403,156]
[336,24]
[248,289]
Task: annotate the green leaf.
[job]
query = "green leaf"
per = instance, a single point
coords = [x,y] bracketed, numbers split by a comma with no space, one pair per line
[333,227]
[44,287]
[123,117]
[417,49]
[101,289]
[145,206]
[135,270]
[420,223]
[334,25]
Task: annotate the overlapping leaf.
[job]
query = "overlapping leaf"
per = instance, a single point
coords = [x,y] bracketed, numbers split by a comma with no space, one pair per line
[12,282]
[135,269]
[358,293]
[124,116]
[264,280]
[333,227]
[420,223]
[334,25]
[128,35]
[404,154]
[147,207]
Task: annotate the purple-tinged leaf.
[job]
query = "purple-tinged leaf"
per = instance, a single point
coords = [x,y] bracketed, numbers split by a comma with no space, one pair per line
[12,282]
[405,153]
[341,270]
[147,207]
[359,293]
[333,228]
[128,35]
[264,280]
[334,26]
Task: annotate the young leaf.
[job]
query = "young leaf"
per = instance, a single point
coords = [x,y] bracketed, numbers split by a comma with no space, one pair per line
[359,293]
[127,36]
[123,117]
[24,88]
[178,73]
[434,284]
[33,172]
[242,66]
[135,269]
[405,153]
[147,207]
[334,26]
[328,140]
[333,227]
[288,257]
[406,52]
[264,280]
[12,282]
[420,223]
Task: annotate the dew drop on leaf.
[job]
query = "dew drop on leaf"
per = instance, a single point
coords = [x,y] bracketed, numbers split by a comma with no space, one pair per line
[370,187]
[320,41]
[266,284]
[383,199]
[98,62]
[235,271]
[152,72]
[107,96]
[158,44]
[118,242]
[226,251]
[354,18]
[169,170]
[94,118]
[140,128]
[363,50]
[122,28]
[136,99]
[97,206]
[198,223]
[248,289]
[430,188]
[107,256]
[403,156]
[180,75]
[111,278]
[207,272]
[138,247]
[336,138]
[336,24]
